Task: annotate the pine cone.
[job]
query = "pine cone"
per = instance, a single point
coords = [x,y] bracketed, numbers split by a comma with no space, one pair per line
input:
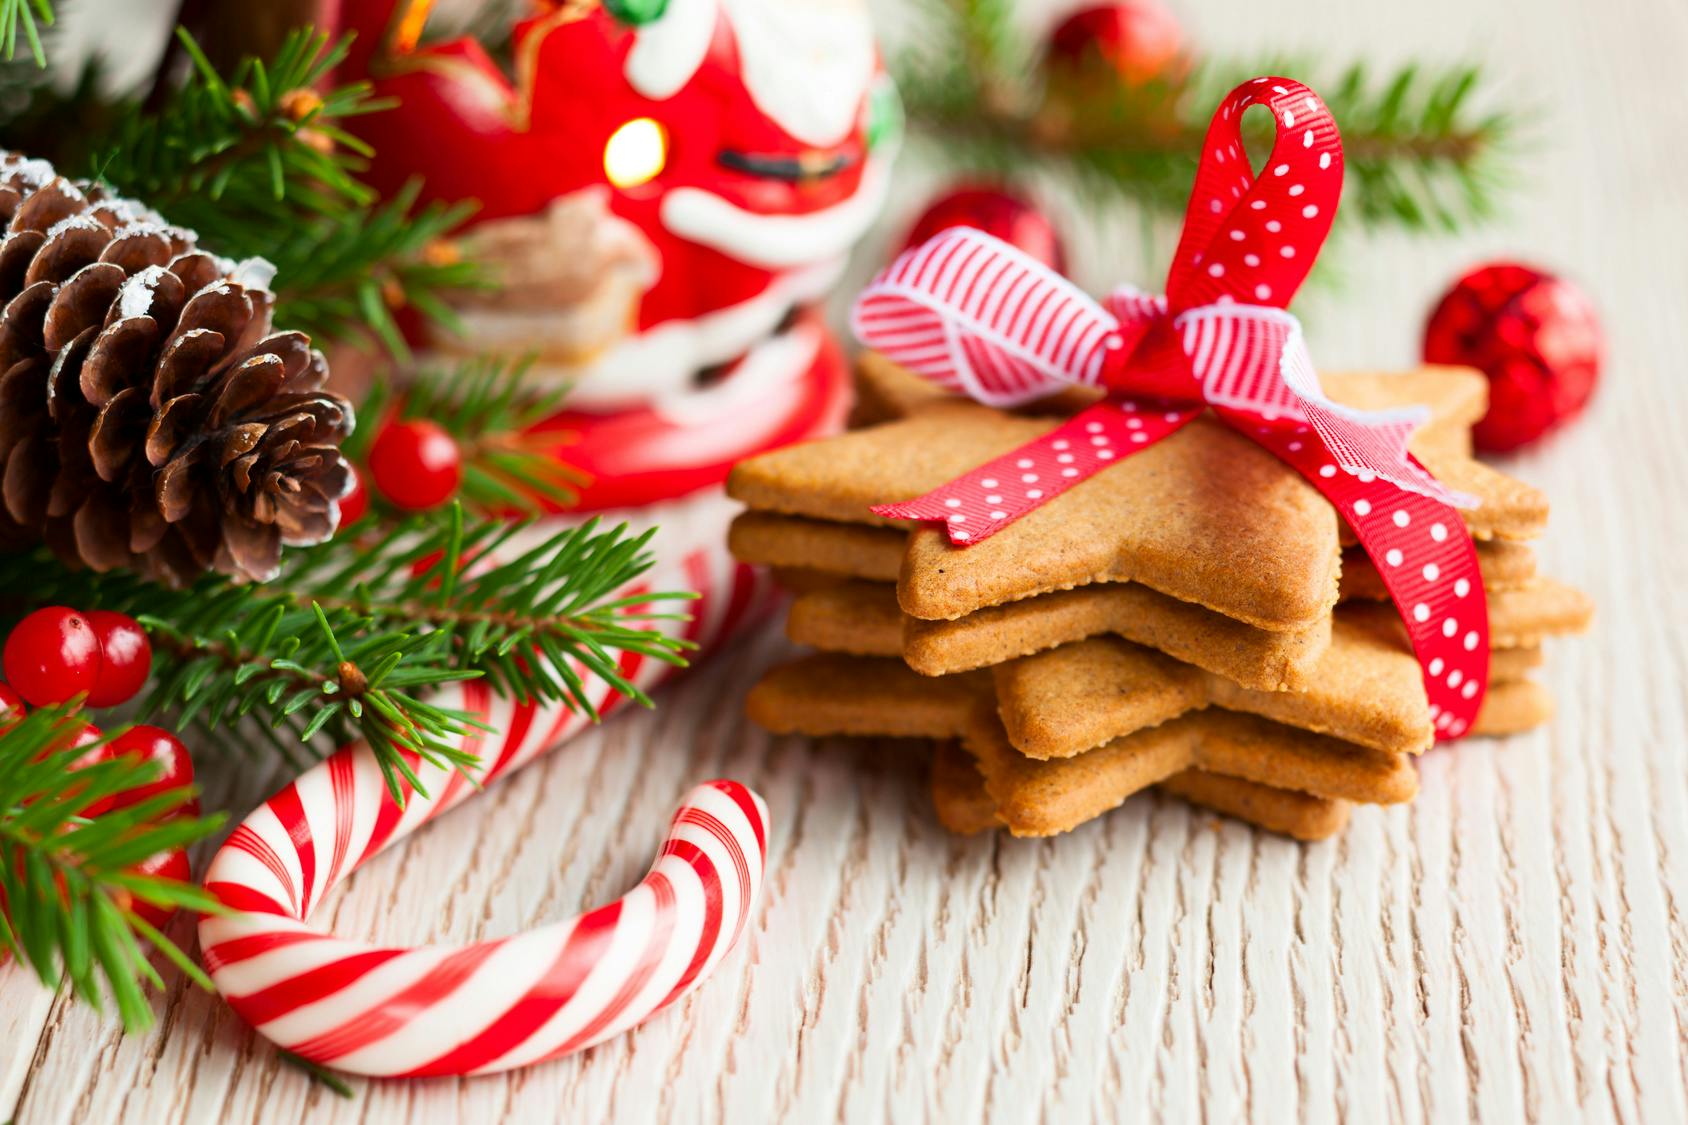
[149,418]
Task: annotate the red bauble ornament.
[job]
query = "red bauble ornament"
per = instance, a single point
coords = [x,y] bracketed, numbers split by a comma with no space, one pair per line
[52,656]
[355,504]
[171,864]
[1536,337]
[175,765]
[87,736]
[1139,39]
[125,658]
[996,211]
[415,464]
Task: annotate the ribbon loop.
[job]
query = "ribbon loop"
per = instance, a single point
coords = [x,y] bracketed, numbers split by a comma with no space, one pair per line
[1253,239]
[974,315]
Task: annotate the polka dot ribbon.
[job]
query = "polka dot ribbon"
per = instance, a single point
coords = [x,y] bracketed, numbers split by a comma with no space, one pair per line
[976,316]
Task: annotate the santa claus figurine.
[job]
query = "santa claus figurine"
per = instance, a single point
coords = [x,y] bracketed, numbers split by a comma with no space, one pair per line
[663,189]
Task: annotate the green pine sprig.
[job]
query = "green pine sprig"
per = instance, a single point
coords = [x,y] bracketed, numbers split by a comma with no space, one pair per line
[68,893]
[353,636]
[1424,151]
[246,142]
[488,405]
[29,16]
[259,162]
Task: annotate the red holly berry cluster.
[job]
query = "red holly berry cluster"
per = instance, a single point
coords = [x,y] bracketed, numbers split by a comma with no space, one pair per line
[57,655]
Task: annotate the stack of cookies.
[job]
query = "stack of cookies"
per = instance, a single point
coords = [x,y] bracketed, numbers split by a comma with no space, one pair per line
[1195,619]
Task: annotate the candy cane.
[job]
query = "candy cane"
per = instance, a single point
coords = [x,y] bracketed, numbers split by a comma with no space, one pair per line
[499,1004]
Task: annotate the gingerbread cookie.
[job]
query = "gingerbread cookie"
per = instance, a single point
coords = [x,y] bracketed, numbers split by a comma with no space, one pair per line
[1503,565]
[1511,708]
[1366,690]
[1300,816]
[1205,516]
[862,618]
[858,617]
[826,694]
[1508,665]
[844,549]
[855,617]
[1541,608]
[963,806]
[1254,542]
[856,551]
[1046,798]
[958,792]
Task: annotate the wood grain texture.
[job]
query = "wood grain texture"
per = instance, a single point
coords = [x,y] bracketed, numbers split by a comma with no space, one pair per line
[1514,945]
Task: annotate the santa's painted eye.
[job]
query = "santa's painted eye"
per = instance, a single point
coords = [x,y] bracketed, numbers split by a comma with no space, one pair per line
[636,153]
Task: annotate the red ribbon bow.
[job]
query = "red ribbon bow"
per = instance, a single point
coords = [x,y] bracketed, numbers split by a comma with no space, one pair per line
[975,315]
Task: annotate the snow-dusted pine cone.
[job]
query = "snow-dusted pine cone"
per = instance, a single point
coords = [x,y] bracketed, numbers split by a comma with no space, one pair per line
[149,417]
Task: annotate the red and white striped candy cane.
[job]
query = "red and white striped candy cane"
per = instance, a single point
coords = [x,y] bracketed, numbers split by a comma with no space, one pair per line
[499,1004]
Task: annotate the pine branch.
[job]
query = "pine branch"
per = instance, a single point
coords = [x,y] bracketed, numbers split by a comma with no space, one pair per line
[260,165]
[357,269]
[262,137]
[353,635]
[67,892]
[1420,154]
[30,16]
[488,406]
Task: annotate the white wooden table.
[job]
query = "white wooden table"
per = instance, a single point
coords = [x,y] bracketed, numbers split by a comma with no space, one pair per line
[1514,944]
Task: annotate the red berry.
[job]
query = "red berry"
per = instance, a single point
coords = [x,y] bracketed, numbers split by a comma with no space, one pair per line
[996,211]
[85,734]
[88,735]
[125,658]
[156,745]
[433,559]
[11,707]
[1535,336]
[52,656]
[170,864]
[355,504]
[415,465]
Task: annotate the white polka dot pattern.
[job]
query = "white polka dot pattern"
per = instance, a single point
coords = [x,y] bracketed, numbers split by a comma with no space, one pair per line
[1430,572]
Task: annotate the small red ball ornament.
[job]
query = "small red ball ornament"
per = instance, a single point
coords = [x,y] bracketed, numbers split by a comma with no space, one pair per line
[125,658]
[87,736]
[1140,40]
[1536,337]
[175,765]
[996,211]
[52,656]
[171,864]
[11,706]
[355,504]
[415,464]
